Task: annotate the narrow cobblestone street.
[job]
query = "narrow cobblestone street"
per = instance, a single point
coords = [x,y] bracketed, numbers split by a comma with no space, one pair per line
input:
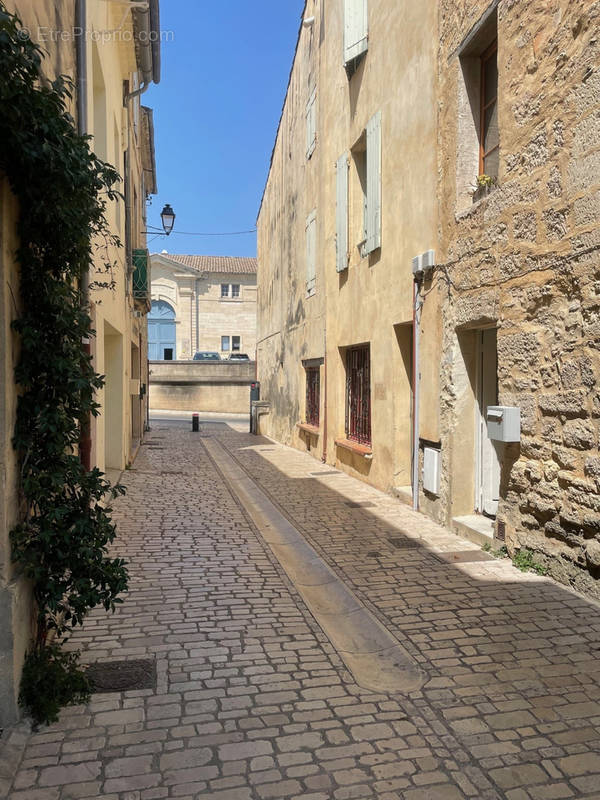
[252,700]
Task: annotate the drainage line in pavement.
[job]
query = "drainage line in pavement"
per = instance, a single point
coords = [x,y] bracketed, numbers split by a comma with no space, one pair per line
[369,650]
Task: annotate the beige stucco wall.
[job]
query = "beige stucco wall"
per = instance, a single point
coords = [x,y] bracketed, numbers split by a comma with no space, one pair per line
[525,260]
[201,315]
[196,386]
[111,60]
[372,300]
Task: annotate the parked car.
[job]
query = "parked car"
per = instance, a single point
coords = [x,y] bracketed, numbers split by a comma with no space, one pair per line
[239,357]
[206,355]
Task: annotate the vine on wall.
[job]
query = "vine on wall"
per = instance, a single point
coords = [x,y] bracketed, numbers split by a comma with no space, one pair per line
[63,190]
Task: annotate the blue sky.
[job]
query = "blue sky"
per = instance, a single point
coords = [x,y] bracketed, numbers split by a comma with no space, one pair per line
[216,112]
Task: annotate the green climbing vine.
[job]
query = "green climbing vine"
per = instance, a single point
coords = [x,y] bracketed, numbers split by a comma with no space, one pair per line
[63,191]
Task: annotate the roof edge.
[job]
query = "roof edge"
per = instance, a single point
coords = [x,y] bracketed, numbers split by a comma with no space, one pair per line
[282,109]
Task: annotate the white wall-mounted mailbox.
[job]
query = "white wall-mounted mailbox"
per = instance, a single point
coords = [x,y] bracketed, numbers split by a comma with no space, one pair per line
[431,470]
[504,423]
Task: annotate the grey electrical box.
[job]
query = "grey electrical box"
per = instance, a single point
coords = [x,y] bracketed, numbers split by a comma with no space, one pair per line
[504,423]
[428,260]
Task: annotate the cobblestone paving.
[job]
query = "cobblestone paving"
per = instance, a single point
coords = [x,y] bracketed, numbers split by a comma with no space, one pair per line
[252,701]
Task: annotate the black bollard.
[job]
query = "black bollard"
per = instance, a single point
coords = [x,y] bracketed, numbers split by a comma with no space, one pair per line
[195,423]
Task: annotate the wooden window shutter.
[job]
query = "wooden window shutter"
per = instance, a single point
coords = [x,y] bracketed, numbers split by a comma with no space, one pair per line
[311,124]
[341,213]
[311,252]
[374,183]
[356,29]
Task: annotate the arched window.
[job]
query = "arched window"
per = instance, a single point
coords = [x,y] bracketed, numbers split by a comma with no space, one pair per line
[161,332]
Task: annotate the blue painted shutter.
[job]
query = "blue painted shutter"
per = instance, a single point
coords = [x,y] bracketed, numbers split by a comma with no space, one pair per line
[374,183]
[341,212]
[356,29]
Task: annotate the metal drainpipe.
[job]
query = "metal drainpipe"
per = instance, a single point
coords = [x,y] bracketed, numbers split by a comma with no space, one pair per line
[85,441]
[417,305]
[197,316]
[324,457]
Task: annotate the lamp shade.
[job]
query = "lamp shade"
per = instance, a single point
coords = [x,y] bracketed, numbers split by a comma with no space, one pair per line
[168,218]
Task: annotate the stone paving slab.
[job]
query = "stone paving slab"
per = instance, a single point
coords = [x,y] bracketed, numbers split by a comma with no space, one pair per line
[252,700]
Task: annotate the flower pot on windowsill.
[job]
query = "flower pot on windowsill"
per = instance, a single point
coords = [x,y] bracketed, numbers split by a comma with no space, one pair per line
[484,185]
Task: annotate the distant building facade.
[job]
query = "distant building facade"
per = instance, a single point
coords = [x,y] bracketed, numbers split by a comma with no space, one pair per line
[202,303]
[428,309]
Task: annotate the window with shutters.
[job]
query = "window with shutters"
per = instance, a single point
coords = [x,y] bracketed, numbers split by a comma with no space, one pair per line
[356,32]
[358,394]
[366,188]
[311,124]
[311,253]
[313,395]
[478,138]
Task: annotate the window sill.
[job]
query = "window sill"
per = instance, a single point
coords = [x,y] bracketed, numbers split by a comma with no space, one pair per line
[468,210]
[362,449]
[307,428]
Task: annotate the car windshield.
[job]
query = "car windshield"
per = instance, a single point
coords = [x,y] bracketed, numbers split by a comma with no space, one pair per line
[207,357]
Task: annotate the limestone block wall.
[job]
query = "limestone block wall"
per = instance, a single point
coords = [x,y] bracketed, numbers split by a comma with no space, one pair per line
[196,386]
[525,259]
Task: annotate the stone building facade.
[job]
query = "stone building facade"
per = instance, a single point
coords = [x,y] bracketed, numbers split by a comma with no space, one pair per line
[107,71]
[482,297]
[202,303]
[519,268]
[349,199]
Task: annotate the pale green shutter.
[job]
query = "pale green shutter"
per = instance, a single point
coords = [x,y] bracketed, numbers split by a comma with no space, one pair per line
[374,183]
[356,29]
[311,124]
[341,212]
[311,253]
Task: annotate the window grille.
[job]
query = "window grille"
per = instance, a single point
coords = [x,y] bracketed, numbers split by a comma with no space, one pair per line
[313,396]
[358,395]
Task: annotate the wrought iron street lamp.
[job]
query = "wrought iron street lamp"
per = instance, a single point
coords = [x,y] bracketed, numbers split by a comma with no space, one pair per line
[168,219]
[167,216]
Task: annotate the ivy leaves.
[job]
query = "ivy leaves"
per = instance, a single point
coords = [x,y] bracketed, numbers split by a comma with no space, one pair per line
[63,189]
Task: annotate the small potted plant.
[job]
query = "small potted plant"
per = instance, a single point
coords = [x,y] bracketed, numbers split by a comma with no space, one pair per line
[483,186]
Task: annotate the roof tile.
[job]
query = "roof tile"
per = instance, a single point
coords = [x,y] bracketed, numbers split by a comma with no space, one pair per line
[225,264]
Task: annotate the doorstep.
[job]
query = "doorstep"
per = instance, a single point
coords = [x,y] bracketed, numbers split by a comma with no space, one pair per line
[474,527]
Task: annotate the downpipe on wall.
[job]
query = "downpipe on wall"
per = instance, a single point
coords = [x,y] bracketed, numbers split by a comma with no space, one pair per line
[417,307]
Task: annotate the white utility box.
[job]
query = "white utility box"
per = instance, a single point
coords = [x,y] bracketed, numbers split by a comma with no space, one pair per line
[431,470]
[504,423]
